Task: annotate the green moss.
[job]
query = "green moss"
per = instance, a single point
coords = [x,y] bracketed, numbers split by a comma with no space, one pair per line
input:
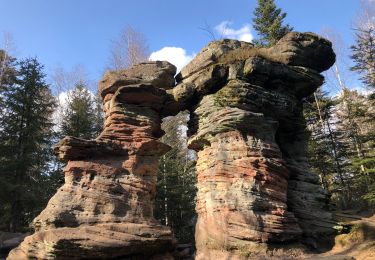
[213,244]
[242,248]
[358,233]
[249,249]
[49,248]
[225,97]
[242,54]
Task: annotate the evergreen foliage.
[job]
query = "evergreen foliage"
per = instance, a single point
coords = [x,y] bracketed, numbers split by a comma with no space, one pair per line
[175,198]
[325,150]
[355,114]
[268,22]
[25,146]
[82,116]
[363,55]
[341,147]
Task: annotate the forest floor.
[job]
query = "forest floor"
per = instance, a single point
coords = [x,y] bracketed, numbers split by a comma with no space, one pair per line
[359,242]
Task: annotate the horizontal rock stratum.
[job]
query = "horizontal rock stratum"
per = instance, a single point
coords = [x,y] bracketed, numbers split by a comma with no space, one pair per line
[105,208]
[255,188]
[247,126]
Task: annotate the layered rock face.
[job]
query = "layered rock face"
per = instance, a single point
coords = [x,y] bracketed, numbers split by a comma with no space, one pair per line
[105,208]
[247,127]
[255,188]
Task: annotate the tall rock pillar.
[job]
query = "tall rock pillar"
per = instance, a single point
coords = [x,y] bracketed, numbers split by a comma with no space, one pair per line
[254,186]
[105,208]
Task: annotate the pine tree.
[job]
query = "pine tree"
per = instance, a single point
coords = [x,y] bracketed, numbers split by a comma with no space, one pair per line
[25,142]
[363,55]
[82,116]
[99,115]
[268,22]
[341,147]
[175,203]
[325,149]
[356,120]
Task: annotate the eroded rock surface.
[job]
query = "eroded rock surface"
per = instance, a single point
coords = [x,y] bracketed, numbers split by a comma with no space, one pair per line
[254,182]
[105,208]
[255,188]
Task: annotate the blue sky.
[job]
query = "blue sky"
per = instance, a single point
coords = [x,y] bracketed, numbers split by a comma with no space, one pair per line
[70,32]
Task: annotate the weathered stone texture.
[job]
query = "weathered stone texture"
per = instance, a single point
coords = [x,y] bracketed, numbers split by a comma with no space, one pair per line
[254,182]
[105,208]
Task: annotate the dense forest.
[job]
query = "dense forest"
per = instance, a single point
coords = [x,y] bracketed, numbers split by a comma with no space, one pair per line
[341,125]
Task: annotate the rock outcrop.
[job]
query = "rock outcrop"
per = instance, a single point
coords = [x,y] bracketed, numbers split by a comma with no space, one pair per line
[105,208]
[255,188]
[254,182]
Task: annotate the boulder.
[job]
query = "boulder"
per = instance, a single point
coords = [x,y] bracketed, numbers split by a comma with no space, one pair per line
[209,55]
[304,49]
[160,74]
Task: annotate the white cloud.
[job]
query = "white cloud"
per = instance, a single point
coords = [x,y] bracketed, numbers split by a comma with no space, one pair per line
[175,55]
[226,31]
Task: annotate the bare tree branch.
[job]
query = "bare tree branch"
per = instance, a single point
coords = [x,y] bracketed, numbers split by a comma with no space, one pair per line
[339,76]
[365,18]
[7,48]
[129,49]
[207,29]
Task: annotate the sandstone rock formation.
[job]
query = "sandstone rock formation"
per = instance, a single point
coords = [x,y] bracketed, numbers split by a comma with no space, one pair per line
[105,208]
[254,182]
[255,188]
